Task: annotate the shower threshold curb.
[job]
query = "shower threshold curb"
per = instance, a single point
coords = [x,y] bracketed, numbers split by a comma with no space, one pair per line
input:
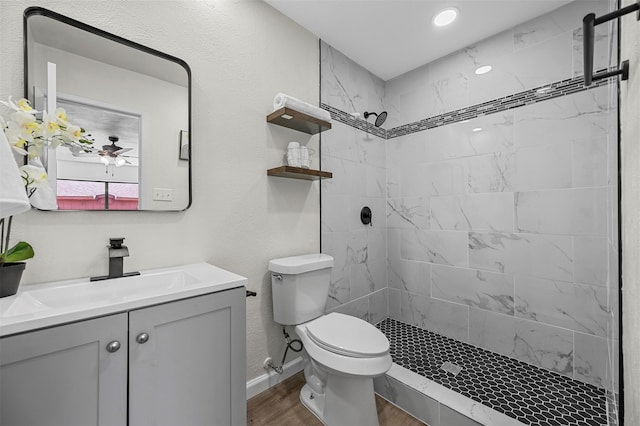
[427,400]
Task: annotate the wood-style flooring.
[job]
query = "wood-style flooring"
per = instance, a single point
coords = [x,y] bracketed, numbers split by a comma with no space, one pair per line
[281,406]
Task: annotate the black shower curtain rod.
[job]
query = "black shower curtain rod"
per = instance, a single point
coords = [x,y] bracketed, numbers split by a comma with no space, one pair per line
[588,24]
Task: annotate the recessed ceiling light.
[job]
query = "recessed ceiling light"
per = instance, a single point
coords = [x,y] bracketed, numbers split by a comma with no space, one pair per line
[483,69]
[445,17]
[477,129]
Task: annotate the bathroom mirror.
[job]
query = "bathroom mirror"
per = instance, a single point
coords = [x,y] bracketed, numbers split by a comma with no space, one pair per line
[133,100]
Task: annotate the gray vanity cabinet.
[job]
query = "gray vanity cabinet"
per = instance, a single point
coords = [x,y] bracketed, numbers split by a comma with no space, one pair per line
[177,363]
[187,362]
[65,376]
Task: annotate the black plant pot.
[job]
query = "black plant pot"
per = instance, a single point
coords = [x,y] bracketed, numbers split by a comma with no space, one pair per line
[10,274]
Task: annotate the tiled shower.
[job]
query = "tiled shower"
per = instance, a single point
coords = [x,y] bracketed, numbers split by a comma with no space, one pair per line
[494,197]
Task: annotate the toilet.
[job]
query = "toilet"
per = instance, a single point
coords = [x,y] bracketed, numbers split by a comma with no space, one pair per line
[342,354]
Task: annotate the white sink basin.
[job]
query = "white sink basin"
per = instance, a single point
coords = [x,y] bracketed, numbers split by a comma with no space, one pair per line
[113,290]
[44,305]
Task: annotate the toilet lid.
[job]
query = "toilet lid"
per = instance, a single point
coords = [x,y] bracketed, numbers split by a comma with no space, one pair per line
[347,335]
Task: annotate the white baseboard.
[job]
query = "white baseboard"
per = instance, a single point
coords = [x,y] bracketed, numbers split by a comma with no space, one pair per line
[267,380]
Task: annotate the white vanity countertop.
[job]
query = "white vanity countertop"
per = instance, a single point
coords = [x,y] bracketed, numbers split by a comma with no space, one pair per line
[45,305]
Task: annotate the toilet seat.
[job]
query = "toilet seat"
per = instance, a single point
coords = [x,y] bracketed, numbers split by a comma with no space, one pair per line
[348,336]
[326,355]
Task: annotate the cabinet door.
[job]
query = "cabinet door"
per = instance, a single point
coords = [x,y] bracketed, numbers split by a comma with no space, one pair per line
[190,370]
[65,375]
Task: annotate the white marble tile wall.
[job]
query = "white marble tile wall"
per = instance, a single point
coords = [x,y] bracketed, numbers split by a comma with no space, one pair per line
[504,237]
[544,256]
[537,52]
[565,212]
[479,289]
[473,212]
[575,118]
[589,353]
[348,86]
[574,306]
[521,248]
[371,308]
[358,163]
[529,341]
[433,246]
[439,316]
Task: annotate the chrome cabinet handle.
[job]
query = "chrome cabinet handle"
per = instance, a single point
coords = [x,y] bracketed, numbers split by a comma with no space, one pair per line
[113,346]
[142,338]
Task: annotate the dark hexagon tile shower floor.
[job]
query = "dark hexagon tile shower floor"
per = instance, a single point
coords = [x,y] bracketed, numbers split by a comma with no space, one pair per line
[531,395]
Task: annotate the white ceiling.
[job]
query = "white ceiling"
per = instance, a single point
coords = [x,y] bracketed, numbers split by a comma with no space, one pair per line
[391,37]
[59,35]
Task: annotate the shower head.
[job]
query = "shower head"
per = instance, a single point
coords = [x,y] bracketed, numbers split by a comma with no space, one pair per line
[380,118]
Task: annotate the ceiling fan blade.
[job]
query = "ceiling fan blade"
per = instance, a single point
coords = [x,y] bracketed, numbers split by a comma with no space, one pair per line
[122,151]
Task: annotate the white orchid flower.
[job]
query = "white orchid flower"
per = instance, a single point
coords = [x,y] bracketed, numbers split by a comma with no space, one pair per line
[50,126]
[34,149]
[29,136]
[13,132]
[17,136]
[74,132]
[61,117]
[22,105]
[28,124]
[19,147]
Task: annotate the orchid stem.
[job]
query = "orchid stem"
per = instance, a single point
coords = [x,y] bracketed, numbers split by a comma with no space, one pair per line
[6,241]
[2,235]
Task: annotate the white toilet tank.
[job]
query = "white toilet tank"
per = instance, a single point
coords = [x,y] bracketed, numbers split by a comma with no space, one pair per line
[300,286]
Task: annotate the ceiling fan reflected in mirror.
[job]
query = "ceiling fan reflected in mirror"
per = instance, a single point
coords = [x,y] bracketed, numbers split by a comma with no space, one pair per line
[111,154]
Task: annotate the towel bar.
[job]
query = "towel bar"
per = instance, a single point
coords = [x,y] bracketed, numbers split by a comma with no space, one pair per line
[588,24]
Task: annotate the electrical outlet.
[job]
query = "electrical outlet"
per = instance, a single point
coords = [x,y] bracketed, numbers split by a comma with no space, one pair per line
[162,194]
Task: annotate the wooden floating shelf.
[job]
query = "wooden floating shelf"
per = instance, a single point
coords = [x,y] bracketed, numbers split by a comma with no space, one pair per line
[299,173]
[297,120]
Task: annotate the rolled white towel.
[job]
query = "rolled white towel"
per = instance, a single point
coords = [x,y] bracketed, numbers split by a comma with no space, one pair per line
[13,197]
[282,100]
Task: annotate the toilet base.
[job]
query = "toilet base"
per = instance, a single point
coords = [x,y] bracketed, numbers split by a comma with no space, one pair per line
[314,402]
[347,400]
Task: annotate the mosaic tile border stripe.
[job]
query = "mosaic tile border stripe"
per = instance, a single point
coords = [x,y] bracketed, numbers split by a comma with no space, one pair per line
[526,97]
[350,120]
[529,394]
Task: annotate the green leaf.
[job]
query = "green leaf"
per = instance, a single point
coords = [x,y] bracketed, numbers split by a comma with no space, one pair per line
[20,251]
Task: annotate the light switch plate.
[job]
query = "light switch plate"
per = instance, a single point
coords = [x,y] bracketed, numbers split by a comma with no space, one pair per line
[162,194]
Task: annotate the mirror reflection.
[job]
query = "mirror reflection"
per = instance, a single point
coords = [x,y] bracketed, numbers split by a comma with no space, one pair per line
[132,100]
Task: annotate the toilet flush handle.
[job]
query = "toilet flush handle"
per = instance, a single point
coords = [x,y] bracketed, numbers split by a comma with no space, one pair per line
[277,276]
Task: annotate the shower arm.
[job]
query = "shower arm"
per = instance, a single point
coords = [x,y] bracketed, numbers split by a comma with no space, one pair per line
[588,28]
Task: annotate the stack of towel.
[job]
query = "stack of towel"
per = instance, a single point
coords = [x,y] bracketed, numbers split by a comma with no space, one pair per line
[282,100]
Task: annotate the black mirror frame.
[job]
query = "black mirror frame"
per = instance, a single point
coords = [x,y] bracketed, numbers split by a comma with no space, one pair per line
[40,11]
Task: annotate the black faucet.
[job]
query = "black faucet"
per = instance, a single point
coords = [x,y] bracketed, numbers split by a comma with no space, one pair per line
[117,253]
